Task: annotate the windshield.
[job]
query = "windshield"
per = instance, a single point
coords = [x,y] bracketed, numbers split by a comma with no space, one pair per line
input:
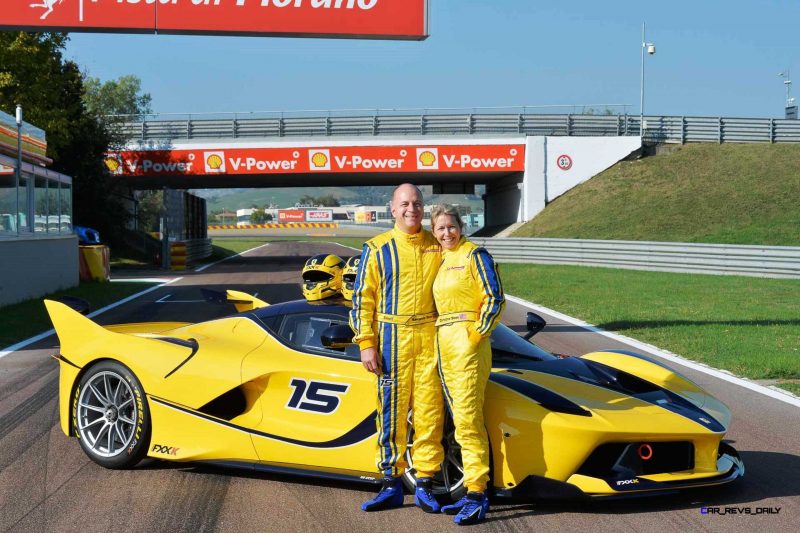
[509,347]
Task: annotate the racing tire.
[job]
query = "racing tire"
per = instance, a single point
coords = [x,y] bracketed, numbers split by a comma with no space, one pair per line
[110,416]
[448,483]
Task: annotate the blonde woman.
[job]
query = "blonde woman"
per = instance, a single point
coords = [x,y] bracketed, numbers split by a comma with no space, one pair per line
[469,299]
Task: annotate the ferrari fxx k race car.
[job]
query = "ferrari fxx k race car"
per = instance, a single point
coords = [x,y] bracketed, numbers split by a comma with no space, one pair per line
[281,388]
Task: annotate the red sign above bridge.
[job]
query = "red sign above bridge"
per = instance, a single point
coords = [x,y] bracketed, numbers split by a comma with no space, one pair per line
[369,19]
[332,159]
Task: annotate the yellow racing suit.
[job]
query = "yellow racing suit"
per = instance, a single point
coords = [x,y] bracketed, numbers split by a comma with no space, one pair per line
[469,299]
[393,311]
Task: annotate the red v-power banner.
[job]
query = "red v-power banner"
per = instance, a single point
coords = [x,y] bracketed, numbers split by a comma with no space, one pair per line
[367,19]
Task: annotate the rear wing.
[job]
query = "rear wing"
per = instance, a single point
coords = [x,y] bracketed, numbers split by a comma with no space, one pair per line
[242,300]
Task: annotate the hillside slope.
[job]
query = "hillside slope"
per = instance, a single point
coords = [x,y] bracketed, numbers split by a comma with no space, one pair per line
[730,193]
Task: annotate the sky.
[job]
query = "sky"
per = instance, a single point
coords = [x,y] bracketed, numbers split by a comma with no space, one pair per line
[713,58]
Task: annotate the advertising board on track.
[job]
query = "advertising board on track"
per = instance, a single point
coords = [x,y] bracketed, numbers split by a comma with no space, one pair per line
[367,19]
[291,215]
[333,159]
[319,215]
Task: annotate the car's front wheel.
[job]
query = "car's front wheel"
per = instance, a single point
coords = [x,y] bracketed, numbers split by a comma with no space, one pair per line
[449,481]
[110,416]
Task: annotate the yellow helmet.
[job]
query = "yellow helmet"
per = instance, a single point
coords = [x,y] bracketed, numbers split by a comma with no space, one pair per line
[349,276]
[322,277]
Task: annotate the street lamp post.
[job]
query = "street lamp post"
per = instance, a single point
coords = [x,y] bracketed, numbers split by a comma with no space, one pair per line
[18,174]
[651,49]
[787,82]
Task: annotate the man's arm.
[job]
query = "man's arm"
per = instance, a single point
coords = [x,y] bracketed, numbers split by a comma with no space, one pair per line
[363,313]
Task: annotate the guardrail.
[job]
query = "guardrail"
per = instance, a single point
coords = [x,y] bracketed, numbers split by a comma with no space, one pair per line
[658,129]
[191,250]
[743,260]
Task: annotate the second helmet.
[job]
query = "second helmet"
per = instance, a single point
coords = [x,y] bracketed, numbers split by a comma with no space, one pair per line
[322,277]
[349,276]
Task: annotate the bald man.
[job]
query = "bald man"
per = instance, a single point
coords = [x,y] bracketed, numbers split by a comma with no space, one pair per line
[394,319]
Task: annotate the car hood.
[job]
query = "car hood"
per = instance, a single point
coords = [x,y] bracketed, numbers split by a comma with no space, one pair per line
[585,387]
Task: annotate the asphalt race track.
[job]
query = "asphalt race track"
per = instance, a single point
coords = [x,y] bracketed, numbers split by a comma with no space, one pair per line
[48,484]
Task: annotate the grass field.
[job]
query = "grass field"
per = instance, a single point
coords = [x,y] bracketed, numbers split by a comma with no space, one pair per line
[750,326]
[794,388]
[729,193]
[29,318]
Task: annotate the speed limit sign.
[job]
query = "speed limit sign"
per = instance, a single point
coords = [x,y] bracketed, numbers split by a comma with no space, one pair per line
[564,162]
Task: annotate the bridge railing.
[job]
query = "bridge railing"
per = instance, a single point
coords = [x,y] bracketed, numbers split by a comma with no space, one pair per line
[743,260]
[501,121]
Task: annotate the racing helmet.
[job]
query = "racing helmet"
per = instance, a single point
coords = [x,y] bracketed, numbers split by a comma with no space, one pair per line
[322,277]
[349,276]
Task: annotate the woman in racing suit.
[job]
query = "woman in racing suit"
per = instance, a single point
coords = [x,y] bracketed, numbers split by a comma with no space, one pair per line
[469,299]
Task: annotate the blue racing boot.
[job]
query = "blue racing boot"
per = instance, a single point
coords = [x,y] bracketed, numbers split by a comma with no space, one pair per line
[424,498]
[474,509]
[454,508]
[390,496]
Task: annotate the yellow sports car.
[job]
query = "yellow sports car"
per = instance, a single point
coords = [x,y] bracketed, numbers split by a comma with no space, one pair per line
[281,388]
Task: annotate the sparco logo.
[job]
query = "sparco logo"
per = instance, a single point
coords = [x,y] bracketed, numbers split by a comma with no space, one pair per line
[627,482]
[167,450]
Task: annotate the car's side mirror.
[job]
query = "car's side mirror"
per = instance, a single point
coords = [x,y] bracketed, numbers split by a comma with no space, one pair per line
[337,337]
[535,324]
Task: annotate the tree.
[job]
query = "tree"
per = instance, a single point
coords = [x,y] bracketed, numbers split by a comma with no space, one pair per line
[307,200]
[151,204]
[328,200]
[34,73]
[116,101]
[117,97]
[258,216]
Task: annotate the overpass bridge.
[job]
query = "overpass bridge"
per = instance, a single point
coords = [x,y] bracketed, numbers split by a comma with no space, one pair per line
[525,158]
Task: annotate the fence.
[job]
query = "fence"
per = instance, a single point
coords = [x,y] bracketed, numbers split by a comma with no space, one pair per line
[744,260]
[657,129]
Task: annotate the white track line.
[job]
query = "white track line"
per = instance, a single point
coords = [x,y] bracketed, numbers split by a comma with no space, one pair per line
[13,348]
[140,280]
[339,244]
[669,356]
[200,269]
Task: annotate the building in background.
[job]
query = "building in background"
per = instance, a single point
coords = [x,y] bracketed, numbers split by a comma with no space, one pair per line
[38,249]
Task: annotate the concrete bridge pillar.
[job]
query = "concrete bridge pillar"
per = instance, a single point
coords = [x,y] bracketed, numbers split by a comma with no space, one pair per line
[553,165]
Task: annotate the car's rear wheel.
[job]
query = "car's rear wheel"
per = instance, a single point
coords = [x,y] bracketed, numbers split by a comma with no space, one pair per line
[110,416]
[449,481]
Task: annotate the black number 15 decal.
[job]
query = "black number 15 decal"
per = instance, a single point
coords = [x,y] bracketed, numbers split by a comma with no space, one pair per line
[316,396]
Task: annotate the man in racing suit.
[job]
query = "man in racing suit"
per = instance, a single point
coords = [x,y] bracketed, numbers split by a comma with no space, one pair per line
[393,318]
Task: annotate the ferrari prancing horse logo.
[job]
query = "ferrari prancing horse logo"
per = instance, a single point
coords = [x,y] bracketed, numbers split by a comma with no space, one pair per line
[49,5]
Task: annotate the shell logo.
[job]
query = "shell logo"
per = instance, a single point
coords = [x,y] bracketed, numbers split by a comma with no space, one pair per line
[214,162]
[427,158]
[113,164]
[319,159]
